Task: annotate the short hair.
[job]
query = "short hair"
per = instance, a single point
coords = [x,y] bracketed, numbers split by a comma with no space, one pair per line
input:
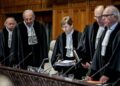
[8,19]
[115,11]
[29,11]
[66,20]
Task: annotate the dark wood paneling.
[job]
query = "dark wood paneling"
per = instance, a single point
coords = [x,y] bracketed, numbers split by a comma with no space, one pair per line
[81,11]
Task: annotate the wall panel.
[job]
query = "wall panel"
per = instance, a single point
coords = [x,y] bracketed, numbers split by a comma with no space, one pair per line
[81,11]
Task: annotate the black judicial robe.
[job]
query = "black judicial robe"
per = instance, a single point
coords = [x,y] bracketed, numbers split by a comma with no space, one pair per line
[86,46]
[4,49]
[60,49]
[61,43]
[22,50]
[112,56]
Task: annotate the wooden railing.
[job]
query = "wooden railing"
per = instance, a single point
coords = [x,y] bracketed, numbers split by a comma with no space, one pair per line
[26,78]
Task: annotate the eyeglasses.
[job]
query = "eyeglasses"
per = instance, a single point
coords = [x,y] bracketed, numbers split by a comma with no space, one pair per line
[107,15]
[97,17]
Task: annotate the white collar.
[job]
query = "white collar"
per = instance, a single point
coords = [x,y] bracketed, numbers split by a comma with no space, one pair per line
[113,26]
[9,31]
[70,34]
[27,25]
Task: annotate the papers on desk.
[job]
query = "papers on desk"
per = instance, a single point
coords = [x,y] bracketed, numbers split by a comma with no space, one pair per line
[65,63]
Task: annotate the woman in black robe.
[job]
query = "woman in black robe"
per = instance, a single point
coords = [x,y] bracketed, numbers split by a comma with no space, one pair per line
[63,49]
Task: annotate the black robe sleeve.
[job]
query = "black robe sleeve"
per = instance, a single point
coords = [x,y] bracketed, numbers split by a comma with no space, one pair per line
[1,47]
[57,50]
[83,49]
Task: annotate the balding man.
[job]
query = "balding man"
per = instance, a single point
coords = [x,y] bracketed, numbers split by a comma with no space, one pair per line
[105,65]
[6,40]
[30,42]
[90,38]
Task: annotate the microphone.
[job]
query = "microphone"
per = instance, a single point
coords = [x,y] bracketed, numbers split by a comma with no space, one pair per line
[58,56]
[76,56]
[7,57]
[100,70]
[42,64]
[23,60]
[71,67]
[116,82]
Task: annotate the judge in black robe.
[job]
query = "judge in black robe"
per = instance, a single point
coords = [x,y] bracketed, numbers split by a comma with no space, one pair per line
[86,46]
[60,50]
[90,38]
[5,47]
[105,68]
[26,54]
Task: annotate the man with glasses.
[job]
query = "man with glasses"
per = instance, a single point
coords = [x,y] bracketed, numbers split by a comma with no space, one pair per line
[105,65]
[90,38]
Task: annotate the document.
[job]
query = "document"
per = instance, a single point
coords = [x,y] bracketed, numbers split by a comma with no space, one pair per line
[65,63]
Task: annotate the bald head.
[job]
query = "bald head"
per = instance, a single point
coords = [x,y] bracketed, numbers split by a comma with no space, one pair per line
[10,23]
[29,17]
[99,10]
[98,14]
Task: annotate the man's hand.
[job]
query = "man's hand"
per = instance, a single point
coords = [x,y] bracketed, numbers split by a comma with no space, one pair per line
[104,79]
[86,65]
[88,78]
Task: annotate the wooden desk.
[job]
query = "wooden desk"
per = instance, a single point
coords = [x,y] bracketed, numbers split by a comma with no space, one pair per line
[26,78]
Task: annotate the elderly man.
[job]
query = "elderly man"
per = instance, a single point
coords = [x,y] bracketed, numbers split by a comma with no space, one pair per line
[90,37]
[6,40]
[105,65]
[30,42]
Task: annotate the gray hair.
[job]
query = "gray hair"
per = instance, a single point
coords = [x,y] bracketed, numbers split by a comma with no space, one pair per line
[28,11]
[115,11]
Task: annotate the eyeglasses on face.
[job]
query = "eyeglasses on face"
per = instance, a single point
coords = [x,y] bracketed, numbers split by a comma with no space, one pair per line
[97,17]
[107,15]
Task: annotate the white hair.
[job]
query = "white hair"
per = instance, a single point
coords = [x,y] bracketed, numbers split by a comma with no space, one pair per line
[114,11]
[28,11]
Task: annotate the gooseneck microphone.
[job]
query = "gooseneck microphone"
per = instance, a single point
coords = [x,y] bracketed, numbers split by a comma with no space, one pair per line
[76,56]
[29,54]
[45,59]
[102,68]
[58,56]
[7,57]
[78,60]
[71,68]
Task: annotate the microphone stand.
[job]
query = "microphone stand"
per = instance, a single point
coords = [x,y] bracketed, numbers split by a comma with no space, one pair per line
[7,57]
[58,56]
[42,64]
[23,60]
[71,68]
[77,59]
[116,82]
[100,69]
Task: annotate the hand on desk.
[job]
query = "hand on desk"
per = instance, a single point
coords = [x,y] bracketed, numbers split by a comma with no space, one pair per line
[104,79]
